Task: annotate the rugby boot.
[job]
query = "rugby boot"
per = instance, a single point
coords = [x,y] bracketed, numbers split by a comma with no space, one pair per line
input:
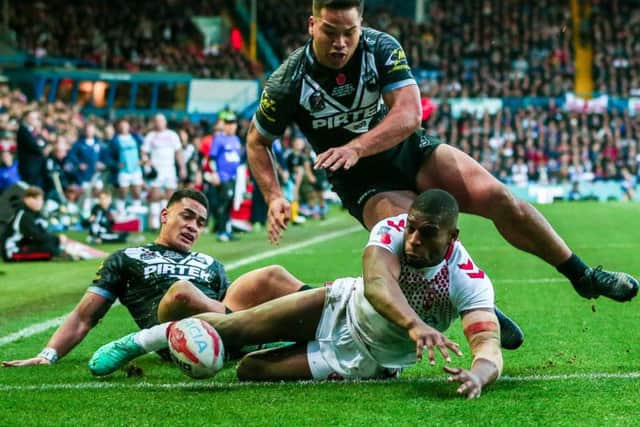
[114,355]
[511,336]
[618,286]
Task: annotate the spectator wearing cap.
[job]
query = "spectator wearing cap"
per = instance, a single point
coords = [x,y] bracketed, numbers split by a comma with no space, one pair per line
[8,168]
[224,158]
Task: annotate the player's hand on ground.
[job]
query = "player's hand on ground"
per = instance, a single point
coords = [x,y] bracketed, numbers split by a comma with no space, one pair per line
[430,338]
[336,158]
[26,362]
[470,384]
[278,218]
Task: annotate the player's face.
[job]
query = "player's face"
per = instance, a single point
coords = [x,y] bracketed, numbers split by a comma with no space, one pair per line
[104,200]
[160,122]
[182,224]
[426,240]
[335,34]
[34,203]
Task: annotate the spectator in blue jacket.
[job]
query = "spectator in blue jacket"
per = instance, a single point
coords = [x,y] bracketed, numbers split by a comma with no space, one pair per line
[8,169]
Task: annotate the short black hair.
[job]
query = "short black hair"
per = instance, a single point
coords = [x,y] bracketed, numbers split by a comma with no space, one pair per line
[437,203]
[336,4]
[188,193]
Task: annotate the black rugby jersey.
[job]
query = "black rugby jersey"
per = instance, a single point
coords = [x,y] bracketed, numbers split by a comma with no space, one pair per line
[332,107]
[140,276]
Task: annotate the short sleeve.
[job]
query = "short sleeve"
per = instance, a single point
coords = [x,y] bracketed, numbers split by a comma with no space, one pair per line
[277,103]
[109,280]
[392,64]
[389,234]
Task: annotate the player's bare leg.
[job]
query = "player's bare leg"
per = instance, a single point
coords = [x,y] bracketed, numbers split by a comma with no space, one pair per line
[478,192]
[285,363]
[392,203]
[184,299]
[259,286]
[293,317]
[386,204]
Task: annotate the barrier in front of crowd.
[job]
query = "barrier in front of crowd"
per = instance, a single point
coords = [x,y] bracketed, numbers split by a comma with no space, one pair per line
[117,93]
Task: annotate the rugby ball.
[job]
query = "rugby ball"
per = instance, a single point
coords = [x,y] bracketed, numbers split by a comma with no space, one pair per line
[195,347]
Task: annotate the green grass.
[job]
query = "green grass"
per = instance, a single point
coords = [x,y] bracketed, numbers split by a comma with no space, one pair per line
[566,335]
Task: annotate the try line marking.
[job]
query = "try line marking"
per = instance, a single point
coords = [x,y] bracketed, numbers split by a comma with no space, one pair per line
[204,386]
[52,323]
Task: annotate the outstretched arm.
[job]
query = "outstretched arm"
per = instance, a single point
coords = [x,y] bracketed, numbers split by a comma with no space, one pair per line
[482,330]
[264,171]
[381,273]
[85,315]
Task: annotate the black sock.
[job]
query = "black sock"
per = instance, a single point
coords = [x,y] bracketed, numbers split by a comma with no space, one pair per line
[573,268]
[304,288]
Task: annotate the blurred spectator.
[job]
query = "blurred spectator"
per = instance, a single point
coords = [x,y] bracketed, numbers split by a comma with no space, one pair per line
[225,157]
[102,220]
[32,150]
[8,169]
[127,147]
[26,237]
[162,151]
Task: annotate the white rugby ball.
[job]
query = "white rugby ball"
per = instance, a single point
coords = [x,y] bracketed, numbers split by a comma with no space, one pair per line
[196,347]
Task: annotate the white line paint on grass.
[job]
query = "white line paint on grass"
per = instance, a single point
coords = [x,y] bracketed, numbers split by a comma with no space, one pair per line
[204,386]
[53,323]
[31,330]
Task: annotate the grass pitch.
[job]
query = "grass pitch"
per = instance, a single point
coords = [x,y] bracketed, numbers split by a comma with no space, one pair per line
[578,366]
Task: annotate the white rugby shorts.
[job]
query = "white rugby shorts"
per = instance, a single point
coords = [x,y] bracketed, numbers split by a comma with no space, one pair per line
[335,354]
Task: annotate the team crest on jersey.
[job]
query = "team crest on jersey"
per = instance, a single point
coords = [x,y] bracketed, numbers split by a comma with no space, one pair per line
[341,79]
[146,255]
[173,255]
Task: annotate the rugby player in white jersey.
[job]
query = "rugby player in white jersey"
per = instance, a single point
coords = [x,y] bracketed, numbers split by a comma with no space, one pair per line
[162,150]
[417,279]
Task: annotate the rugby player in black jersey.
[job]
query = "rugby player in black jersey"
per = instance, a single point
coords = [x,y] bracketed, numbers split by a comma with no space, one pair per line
[165,280]
[351,92]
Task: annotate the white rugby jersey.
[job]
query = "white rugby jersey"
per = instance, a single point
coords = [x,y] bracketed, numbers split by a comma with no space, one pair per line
[438,295]
[162,147]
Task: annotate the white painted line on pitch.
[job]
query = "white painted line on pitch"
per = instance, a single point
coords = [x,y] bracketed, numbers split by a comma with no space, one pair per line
[32,330]
[506,246]
[52,323]
[291,248]
[203,385]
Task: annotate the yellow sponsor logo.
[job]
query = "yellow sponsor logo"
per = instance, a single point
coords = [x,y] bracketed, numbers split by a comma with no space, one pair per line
[267,106]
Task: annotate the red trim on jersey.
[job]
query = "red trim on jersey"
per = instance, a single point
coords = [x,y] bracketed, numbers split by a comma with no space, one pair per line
[466,266]
[478,275]
[477,327]
[447,256]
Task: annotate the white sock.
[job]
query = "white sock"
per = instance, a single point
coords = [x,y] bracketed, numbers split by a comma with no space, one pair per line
[154,338]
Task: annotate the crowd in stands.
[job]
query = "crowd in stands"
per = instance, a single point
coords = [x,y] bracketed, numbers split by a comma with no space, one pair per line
[545,145]
[469,48]
[134,36]
[78,160]
[615,37]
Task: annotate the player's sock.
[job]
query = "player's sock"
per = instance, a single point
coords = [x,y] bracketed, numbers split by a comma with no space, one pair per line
[573,269]
[294,210]
[153,338]
[593,282]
